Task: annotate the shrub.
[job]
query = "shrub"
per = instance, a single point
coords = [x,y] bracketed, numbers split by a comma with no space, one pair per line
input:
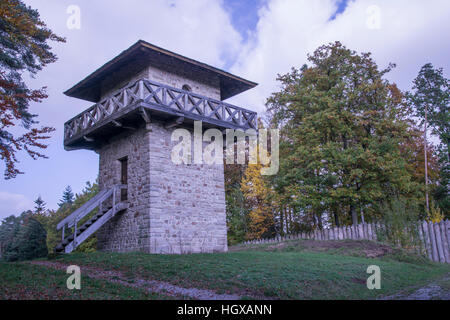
[400,224]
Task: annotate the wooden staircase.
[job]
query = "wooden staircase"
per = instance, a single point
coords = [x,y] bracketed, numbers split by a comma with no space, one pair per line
[107,206]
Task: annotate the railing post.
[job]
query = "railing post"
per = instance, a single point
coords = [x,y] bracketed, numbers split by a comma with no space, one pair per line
[114,196]
[75,234]
[63,231]
[141,89]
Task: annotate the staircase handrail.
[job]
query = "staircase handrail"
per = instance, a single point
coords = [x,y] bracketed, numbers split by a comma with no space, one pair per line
[90,205]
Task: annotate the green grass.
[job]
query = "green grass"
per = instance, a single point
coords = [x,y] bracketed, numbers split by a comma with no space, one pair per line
[293,271]
[22,281]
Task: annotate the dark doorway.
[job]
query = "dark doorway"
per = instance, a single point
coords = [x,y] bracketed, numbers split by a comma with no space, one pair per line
[124,178]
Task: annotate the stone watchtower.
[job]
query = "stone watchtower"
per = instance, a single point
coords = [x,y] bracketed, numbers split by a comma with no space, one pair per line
[146,202]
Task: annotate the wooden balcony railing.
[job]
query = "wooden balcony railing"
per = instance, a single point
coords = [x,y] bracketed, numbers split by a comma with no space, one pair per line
[155,96]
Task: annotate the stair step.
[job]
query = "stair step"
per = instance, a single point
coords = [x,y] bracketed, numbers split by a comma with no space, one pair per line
[62,246]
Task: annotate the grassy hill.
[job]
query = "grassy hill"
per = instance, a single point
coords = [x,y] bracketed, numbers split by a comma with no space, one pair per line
[301,269]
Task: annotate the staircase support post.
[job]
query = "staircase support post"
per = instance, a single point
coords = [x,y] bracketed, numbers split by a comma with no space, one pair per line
[75,235]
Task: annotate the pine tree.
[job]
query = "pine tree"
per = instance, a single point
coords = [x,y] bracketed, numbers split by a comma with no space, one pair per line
[39,207]
[68,197]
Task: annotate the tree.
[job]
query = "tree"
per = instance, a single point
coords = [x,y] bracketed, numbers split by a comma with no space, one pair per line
[32,240]
[237,216]
[52,217]
[27,240]
[430,98]
[341,127]
[67,197]
[24,48]
[257,198]
[39,207]
[9,229]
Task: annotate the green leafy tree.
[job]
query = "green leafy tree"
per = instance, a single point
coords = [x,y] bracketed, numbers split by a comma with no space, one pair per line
[24,48]
[400,224]
[237,216]
[341,127]
[51,219]
[430,98]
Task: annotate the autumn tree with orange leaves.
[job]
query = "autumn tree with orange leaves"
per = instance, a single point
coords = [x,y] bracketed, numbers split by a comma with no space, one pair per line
[24,48]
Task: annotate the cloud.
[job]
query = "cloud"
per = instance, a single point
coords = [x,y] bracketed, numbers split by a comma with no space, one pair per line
[411,33]
[13,204]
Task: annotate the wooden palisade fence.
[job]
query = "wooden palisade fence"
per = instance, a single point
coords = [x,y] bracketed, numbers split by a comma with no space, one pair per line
[435,237]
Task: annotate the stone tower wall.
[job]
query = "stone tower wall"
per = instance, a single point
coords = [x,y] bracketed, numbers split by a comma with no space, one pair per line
[172,208]
[128,231]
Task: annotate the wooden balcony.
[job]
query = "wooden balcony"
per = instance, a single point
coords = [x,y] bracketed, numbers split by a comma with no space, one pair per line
[128,106]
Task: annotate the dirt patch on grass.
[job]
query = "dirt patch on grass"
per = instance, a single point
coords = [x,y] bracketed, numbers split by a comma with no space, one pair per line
[437,290]
[368,249]
[154,286]
[363,248]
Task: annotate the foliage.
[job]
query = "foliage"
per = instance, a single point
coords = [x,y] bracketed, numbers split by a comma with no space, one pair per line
[431,94]
[26,239]
[431,101]
[257,192]
[341,127]
[237,216]
[68,197]
[39,207]
[435,215]
[51,219]
[400,225]
[24,48]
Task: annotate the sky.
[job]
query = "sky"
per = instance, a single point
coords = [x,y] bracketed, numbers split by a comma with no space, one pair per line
[255,39]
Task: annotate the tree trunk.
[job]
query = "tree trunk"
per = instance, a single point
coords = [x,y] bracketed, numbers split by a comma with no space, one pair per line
[281,221]
[319,221]
[336,218]
[354,215]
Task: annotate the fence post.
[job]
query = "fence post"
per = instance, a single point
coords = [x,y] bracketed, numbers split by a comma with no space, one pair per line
[446,226]
[422,241]
[433,241]
[445,242]
[437,231]
[370,231]
[427,240]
